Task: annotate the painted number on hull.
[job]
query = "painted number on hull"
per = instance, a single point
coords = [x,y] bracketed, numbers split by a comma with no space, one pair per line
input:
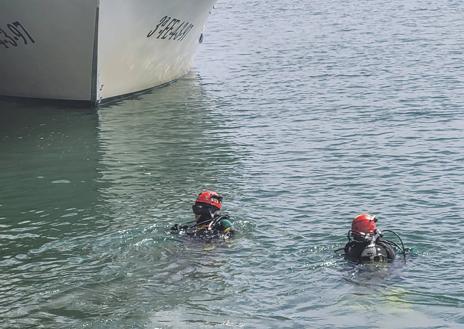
[171,28]
[14,35]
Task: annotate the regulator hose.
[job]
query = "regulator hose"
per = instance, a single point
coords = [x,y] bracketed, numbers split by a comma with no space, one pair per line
[402,248]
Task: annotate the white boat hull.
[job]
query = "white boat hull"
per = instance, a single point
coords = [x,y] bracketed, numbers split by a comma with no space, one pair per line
[91,50]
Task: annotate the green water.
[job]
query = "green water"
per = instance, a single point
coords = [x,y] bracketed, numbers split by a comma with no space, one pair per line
[302,114]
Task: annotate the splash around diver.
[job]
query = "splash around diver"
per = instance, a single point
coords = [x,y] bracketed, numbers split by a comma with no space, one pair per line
[366,243]
[209,223]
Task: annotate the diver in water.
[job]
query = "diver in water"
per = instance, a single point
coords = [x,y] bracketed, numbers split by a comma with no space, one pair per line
[209,221]
[366,243]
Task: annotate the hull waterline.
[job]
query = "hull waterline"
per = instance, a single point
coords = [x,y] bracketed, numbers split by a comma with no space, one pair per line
[94,50]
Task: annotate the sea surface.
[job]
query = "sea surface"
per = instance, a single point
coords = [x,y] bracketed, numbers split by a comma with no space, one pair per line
[303,114]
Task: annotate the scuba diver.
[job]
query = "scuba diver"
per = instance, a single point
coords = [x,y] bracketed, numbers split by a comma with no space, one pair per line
[366,242]
[209,221]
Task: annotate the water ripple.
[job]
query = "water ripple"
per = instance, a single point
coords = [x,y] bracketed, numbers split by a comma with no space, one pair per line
[303,114]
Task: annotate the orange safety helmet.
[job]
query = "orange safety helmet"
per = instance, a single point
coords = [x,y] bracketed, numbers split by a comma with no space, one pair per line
[211,198]
[364,224]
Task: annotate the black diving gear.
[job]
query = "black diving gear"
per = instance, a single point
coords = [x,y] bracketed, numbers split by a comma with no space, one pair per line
[374,250]
[217,227]
[371,248]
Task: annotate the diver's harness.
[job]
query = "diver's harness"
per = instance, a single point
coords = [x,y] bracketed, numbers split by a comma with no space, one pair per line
[206,226]
[370,242]
[212,223]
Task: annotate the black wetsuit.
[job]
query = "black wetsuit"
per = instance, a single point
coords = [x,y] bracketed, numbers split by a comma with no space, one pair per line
[222,227]
[363,251]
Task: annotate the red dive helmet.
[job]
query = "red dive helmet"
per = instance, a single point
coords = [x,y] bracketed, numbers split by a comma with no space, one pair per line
[211,198]
[364,224]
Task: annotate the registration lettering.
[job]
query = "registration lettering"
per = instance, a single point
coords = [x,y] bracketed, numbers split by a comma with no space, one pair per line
[14,35]
[171,28]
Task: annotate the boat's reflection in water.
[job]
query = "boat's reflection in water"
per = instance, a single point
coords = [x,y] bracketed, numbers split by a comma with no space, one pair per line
[165,144]
[86,194]
[47,167]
